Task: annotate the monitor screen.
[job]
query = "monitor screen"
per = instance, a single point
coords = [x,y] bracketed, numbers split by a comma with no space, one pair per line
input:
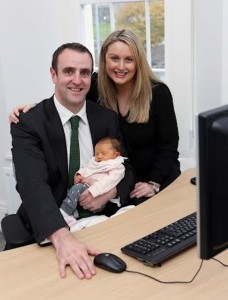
[212,182]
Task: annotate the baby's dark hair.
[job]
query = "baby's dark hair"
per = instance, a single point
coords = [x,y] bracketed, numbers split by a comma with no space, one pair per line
[116,144]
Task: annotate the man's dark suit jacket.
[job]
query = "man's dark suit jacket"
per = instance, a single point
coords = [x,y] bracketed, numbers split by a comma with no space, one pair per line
[40,160]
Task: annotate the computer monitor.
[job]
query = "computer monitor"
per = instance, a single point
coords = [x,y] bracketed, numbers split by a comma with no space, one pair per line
[212,182]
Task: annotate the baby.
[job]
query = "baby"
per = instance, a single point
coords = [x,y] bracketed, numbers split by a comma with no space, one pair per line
[103,172]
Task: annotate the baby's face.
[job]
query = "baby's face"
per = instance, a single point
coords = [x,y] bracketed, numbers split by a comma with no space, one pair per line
[105,151]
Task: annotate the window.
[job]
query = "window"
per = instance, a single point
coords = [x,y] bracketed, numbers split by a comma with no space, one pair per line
[145,18]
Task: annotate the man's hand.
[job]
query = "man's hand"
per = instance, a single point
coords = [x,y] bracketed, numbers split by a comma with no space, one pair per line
[71,252]
[87,201]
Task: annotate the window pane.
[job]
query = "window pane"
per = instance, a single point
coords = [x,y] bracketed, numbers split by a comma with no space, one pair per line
[131,16]
[157,33]
[101,26]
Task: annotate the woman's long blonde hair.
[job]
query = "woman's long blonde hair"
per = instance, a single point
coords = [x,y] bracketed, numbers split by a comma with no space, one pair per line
[141,94]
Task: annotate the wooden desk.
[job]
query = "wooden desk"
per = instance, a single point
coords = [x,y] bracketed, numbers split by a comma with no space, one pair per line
[31,272]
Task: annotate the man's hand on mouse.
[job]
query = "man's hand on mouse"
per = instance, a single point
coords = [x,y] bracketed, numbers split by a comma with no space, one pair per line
[110,262]
[71,252]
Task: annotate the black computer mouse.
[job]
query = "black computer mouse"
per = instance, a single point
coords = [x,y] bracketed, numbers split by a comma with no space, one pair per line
[110,262]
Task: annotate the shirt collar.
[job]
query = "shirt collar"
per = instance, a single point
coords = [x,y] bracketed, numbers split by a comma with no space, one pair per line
[66,114]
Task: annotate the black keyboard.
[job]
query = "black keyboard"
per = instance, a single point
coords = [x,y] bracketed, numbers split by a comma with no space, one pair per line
[160,245]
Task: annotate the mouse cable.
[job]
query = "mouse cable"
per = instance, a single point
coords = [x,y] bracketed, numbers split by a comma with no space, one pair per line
[168,282]
[219,261]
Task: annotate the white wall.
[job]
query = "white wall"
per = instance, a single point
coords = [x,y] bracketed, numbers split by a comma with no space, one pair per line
[196,61]
[196,58]
[224,51]
[179,68]
[30,31]
[208,39]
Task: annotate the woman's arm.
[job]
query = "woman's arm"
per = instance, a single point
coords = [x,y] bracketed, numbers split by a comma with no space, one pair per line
[13,116]
[165,123]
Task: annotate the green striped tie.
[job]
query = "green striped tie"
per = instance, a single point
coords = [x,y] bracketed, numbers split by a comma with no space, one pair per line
[74,162]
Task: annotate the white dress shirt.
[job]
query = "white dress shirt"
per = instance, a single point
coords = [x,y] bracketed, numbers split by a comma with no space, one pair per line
[85,139]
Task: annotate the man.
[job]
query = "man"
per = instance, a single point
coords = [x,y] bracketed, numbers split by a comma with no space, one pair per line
[41,143]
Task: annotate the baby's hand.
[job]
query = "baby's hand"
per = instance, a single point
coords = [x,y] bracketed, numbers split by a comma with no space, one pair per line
[77,178]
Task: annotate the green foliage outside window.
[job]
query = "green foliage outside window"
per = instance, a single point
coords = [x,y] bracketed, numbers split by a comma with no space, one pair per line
[132,16]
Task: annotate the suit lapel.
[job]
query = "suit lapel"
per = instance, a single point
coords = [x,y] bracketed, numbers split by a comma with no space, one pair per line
[92,119]
[56,136]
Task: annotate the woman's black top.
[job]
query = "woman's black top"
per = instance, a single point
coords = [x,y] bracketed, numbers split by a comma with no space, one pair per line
[152,146]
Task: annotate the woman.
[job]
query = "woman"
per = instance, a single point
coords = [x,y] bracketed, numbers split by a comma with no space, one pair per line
[126,84]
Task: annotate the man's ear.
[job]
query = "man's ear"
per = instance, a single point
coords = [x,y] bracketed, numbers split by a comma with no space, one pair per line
[53,75]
